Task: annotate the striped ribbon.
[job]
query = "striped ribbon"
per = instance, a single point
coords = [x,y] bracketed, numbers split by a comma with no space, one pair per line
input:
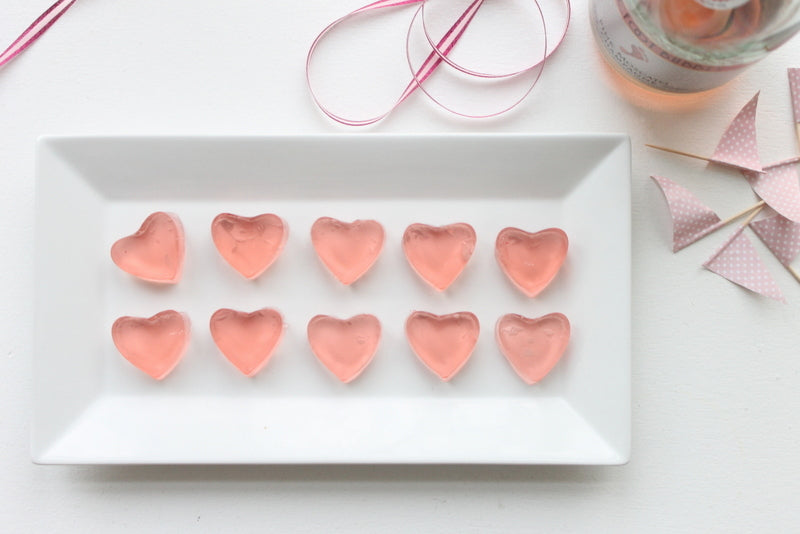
[35,30]
[438,55]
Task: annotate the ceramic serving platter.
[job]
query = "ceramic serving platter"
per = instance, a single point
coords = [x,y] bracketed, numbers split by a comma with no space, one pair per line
[92,406]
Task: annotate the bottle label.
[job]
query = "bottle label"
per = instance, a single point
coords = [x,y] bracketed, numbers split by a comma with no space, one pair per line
[721,4]
[635,53]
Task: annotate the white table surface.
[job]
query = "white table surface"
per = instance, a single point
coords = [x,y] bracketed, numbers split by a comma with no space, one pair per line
[715,369]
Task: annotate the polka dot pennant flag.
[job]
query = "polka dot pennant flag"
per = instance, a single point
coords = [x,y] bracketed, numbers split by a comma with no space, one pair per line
[780,235]
[691,219]
[779,186]
[738,146]
[794,87]
[737,260]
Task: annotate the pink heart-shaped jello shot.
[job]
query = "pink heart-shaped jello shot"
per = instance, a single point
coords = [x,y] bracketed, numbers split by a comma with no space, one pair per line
[153,344]
[247,339]
[443,342]
[533,346]
[155,252]
[249,244]
[531,260]
[348,250]
[438,254]
[344,346]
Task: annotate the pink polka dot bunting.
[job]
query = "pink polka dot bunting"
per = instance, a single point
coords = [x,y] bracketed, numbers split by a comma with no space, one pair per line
[779,186]
[738,147]
[780,235]
[691,219]
[737,260]
[794,87]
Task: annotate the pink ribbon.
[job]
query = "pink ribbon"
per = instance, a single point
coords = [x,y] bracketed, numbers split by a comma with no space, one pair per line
[439,53]
[35,30]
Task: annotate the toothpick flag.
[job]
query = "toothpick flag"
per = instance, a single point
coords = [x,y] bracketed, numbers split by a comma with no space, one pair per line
[691,219]
[737,260]
[779,186]
[782,238]
[738,146]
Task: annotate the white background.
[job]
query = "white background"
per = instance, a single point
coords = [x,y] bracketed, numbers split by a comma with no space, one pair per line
[715,369]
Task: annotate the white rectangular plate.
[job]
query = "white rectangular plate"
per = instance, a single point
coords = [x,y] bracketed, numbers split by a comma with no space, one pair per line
[92,406]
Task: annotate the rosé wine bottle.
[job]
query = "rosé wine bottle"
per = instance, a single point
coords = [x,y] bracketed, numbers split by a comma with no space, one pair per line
[688,46]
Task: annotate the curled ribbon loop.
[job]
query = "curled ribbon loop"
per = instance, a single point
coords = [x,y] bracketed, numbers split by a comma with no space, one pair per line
[444,56]
[438,55]
[538,66]
[35,30]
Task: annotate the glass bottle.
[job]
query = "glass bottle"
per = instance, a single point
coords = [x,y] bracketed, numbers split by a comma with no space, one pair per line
[688,46]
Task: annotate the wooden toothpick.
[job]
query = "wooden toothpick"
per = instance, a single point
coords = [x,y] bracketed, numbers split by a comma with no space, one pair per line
[789,268]
[756,210]
[732,218]
[679,152]
[797,126]
[793,272]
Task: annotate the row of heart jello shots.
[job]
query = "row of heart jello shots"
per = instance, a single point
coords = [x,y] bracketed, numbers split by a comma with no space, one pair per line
[438,254]
[250,245]
[443,343]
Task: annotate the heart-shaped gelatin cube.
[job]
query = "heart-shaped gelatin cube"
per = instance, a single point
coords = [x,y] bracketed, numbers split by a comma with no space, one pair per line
[249,244]
[443,342]
[531,260]
[153,344]
[344,346]
[155,252]
[247,339]
[438,254]
[533,346]
[348,250]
